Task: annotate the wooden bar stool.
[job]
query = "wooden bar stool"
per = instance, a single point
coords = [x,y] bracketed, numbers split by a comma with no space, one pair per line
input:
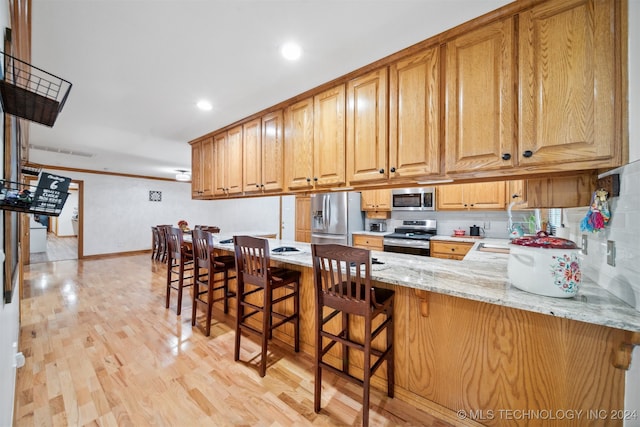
[205,284]
[342,279]
[179,265]
[255,276]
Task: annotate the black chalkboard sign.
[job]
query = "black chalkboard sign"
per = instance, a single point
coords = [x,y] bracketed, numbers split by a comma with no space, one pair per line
[51,193]
[47,198]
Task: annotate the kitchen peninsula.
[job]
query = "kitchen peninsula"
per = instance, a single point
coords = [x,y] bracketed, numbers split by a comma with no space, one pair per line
[467,341]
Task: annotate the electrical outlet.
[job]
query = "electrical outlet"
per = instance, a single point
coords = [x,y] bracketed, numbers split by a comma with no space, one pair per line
[611,252]
[585,242]
[487,225]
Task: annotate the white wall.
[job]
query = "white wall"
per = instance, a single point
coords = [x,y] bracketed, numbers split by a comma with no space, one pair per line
[64,225]
[118,214]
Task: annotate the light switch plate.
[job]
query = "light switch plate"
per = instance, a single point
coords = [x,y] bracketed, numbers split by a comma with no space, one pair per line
[611,252]
[585,241]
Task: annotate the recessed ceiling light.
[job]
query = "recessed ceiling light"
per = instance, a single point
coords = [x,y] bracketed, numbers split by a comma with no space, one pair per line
[204,105]
[291,51]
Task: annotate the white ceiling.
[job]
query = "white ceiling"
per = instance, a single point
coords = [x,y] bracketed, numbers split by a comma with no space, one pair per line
[138,67]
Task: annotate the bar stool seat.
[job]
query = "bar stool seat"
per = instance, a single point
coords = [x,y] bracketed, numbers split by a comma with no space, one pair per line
[342,281]
[257,306]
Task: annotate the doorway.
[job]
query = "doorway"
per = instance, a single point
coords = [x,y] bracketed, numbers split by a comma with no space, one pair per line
[62,234]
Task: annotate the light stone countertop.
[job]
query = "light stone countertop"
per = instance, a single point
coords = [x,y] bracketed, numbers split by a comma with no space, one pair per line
[466,239]
[373,233]
[482,276]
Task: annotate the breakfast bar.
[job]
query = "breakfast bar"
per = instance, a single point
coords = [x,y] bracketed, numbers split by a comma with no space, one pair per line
[471,348]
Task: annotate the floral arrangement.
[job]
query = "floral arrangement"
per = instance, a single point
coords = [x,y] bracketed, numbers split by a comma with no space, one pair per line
[184,225]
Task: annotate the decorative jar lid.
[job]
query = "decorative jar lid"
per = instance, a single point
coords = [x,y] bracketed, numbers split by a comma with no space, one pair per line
[543,240]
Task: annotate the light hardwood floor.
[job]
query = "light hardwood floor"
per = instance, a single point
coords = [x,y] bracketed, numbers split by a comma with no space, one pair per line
[101,349]
[58,249]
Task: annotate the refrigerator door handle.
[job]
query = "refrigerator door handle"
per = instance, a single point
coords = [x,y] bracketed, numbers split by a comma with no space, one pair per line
[325,209]
[328,210]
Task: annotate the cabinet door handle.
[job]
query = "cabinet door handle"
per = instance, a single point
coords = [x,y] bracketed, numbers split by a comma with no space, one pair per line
[315,179]
[506,156]
[308,179]
[392,169]
[381,171]
[527,153]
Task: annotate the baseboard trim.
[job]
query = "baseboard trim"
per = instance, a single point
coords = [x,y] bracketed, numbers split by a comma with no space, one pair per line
[116,254]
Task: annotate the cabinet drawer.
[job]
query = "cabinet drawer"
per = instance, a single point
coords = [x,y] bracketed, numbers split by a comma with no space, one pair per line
[368,242]
[449,250]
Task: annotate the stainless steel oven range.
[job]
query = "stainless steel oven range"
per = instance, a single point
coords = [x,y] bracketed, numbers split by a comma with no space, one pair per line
[412,238]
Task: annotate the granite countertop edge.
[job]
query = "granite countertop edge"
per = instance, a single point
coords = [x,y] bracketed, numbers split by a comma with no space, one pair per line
[482,276]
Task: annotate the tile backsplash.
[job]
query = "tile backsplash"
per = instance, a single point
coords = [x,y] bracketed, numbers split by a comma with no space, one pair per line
[622,279]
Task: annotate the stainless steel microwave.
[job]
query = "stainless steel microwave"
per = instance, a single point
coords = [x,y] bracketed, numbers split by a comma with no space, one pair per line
[414,199]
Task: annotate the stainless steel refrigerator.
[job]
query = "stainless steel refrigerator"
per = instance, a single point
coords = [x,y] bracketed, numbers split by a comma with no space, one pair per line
[335,216]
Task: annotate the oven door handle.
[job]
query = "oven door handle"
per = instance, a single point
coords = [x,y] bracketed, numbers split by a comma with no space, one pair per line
[407,243]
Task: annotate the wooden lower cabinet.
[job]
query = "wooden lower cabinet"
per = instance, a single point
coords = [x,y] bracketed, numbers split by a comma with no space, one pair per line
[454,354]
[303,219]
[449,249]
[367,241]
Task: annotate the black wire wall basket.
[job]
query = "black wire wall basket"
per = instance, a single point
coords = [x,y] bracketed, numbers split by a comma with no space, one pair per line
[46,198]
[31,93]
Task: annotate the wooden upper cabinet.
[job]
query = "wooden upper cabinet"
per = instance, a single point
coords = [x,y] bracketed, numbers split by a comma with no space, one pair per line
[561,192]
[263,154]
[414,115]
[220,167]
[207,167]
[367,140]
[480,99]
[517,193]
[567,78]
[227,155]
[482,195]
[272,151]
[329,137]
[252,158]
[234,160]
[376,200]
[298,145]
[202,168]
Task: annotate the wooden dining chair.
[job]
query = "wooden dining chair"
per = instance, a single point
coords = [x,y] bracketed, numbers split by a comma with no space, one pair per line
[205,285]
[163,248]
[179,266]
[342,281]
[257,304]
[155,243]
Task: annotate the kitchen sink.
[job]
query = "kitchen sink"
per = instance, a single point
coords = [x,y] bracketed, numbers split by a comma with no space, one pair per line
[495,248]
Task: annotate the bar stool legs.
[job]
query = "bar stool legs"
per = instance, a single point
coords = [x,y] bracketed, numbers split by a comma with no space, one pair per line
[256,282]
